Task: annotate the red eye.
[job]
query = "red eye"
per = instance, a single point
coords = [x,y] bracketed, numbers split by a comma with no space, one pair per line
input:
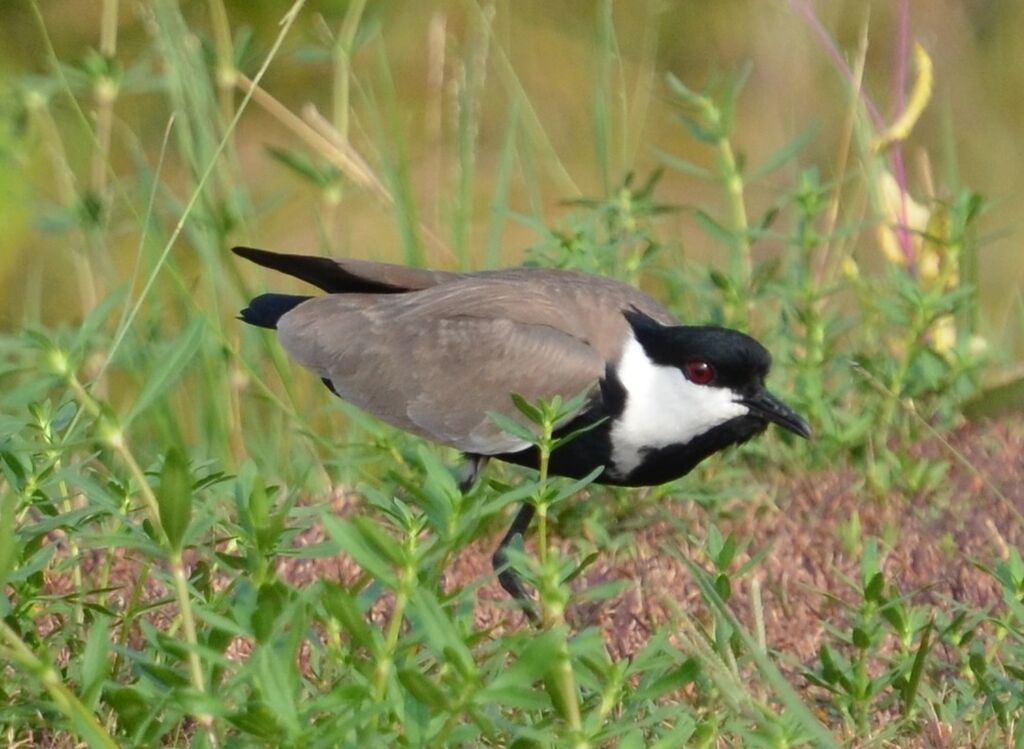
[699,372]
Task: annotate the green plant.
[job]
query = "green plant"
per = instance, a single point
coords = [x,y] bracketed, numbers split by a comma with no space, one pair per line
[193,552]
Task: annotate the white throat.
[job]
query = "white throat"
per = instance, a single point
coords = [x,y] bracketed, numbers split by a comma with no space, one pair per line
[663,408]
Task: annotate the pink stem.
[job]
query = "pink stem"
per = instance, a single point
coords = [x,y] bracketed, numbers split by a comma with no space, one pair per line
[806,9]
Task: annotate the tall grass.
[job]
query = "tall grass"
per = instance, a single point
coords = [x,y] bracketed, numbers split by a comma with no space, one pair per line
[163,467]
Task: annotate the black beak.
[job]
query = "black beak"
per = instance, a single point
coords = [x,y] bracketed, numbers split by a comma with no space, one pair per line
[770,408]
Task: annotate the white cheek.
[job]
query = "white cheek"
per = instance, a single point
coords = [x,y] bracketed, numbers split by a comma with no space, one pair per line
[663,408]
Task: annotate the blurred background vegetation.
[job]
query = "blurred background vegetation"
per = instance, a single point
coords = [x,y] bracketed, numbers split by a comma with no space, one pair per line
[541,81]
[839,177]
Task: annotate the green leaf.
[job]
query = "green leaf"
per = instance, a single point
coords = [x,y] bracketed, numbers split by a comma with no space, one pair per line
[275,666]
[10,544]
[914,680]
[168,368]
[714,542]
[301,165]
[732,96]
[895,615]
[875,588]
[258,507]
[723,586]
[714,229]
[92,326]
[377,539]
[976,661]
[439,478]
[440,631]
[861,638]
[830,671]
[682,165]
[174,497]
[423,689]
[681,90]
[515,685]
[133,709]
[95,665]
[701,133]
[566,438]
[163,676]
[575,487]
[580,569]
[258,720]
[271,600]
[220,623]
[530,411]
[513,427]
[352,541]
[342,605]
[869,561]
[784,154]
[675,679]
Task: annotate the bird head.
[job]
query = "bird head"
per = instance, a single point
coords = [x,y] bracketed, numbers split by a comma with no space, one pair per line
[683,383]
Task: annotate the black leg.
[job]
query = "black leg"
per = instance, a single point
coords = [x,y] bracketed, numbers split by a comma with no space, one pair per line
[506,575]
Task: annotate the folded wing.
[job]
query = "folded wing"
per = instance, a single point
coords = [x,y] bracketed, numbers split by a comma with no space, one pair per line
[434,352]
[437,375]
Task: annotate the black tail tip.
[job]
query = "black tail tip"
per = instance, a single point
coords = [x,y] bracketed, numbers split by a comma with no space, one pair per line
[252,253]
[265,310]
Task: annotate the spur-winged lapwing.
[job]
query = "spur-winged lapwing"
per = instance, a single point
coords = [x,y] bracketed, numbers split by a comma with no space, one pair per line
[434,353]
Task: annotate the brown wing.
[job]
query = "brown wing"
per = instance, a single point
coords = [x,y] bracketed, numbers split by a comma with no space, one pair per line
[437,360]
[437,376]
[584,306]
[597,301]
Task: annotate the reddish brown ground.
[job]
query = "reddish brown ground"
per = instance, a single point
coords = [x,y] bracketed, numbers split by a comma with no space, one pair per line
[933,548]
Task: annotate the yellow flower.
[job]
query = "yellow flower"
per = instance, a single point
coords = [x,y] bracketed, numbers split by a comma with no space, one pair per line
[899,210]
[943,334]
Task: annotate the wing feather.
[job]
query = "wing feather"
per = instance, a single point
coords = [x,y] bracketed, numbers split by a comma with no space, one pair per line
[436,361]
[438,377]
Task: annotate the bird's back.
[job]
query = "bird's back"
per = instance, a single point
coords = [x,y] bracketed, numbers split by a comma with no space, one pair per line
[434,352]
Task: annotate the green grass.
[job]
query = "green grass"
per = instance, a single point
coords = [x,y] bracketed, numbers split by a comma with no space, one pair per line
[161,463]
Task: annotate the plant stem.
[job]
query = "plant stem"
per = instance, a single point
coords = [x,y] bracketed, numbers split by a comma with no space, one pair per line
[65,700]
[741,263]
[114,438]
[68,505]
[552,606]
[386,660]
[542,506]
[104,94]
[180,580]
[226,73]
[343,65]
[187,619]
